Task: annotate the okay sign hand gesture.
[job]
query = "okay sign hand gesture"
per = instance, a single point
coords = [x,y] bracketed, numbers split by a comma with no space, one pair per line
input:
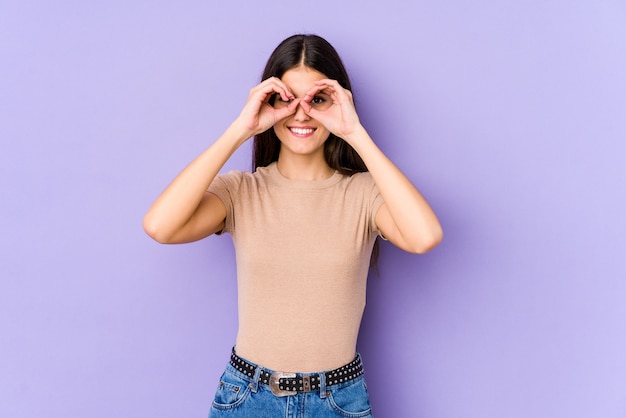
[258,115]
[333,106]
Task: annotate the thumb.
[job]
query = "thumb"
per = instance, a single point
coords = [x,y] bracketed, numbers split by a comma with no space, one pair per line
[309,110]
[284,112]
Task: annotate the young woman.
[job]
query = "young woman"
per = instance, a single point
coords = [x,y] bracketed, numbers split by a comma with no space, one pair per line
[304,224]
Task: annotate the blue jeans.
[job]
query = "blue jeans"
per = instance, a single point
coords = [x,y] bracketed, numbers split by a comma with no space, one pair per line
[241,396]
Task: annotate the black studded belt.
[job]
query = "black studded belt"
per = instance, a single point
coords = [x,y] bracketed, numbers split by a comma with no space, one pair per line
[285,383]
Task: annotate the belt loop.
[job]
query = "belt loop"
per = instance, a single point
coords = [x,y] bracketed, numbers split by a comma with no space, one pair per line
[323,385]
[255,380]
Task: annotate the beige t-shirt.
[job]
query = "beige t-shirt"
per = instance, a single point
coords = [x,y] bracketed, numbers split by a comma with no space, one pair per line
[303,250]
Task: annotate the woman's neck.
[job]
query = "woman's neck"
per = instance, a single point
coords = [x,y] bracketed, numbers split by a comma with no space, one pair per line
[304,168]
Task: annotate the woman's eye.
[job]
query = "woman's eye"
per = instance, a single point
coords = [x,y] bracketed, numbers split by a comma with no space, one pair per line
[279,102]
[321,102]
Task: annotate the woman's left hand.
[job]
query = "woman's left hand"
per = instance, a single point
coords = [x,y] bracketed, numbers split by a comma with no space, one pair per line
[340,118]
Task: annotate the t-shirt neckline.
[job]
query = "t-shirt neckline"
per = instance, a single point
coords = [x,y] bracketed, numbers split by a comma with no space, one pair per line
[278,177]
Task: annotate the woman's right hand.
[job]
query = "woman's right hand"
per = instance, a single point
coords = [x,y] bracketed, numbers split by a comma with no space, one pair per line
[258,115]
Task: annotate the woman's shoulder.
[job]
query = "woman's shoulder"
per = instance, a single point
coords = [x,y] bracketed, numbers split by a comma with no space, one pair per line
[244,174]
[361,184]
[359,179]
[237,178]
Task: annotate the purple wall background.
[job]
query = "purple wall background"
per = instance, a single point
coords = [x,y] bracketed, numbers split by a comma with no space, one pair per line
[509,116]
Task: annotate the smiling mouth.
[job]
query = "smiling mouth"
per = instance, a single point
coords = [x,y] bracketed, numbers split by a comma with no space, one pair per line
[302,131]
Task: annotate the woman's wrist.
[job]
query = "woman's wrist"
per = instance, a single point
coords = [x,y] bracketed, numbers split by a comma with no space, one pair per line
[358,138]
[238,133]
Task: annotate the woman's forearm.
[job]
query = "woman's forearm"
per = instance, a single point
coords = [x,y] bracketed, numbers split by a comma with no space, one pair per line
[417,228]
[180,200]
[168,217]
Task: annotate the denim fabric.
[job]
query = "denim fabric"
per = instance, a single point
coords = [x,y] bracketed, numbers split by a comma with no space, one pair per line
[241,396]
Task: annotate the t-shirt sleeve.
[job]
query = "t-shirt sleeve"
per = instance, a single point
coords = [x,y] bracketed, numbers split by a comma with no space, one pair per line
[226,187]
[371,198]
[375,202]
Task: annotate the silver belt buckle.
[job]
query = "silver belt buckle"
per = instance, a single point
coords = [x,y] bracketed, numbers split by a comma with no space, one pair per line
[275,377]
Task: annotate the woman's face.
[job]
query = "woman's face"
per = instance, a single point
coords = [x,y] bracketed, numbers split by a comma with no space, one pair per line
[299,133]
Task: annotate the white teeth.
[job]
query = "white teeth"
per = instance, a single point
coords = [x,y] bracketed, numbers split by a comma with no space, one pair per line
[302,131]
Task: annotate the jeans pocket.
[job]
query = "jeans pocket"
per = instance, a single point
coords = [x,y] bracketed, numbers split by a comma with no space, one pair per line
[231,392]
[351,401]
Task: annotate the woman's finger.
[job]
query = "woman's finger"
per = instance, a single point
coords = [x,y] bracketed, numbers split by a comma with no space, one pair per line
[284,112]
[312,92]
[333,89]
[308,109]
[275,85]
